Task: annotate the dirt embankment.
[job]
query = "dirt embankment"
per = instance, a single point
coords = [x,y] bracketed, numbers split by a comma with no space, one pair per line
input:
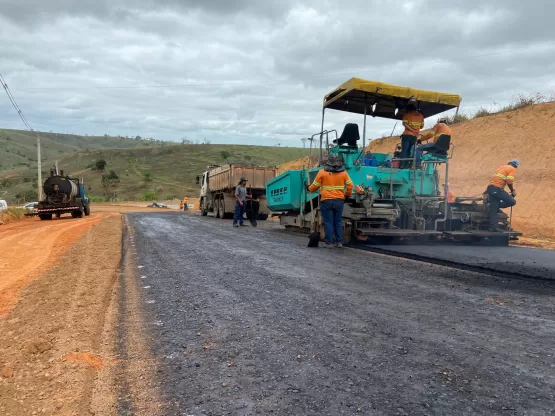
[484,144]
[52,337]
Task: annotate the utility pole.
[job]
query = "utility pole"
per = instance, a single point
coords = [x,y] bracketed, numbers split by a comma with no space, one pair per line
[39,166]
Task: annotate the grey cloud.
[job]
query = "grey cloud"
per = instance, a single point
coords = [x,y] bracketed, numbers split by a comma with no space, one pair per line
[252,71]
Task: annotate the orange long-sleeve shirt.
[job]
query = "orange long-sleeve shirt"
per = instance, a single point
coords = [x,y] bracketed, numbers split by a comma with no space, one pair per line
[504,175]
[332,185]
[415,120]
[436,131]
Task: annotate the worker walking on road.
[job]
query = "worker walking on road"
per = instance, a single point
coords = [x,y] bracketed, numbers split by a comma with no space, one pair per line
[441,129]
[498,197]
[413,122]
[334,184]
[241,203]
[185,203]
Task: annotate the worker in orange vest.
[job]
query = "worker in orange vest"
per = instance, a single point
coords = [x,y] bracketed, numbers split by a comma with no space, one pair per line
[450,195]
[335,185]
[498,197]
[185,203]
[440,129]
[413,122]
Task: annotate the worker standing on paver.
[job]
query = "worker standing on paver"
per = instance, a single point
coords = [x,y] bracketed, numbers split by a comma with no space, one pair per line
[335,185]
[241,203]
[498,197]
[441,129]
[413,122]
[451,199]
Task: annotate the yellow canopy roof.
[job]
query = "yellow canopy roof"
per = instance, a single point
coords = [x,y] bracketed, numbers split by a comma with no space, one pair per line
[382,99]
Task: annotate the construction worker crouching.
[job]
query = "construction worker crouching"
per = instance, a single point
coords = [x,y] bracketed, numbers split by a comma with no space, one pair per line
[413,122]
[498,197]
[439,130]
[335,185]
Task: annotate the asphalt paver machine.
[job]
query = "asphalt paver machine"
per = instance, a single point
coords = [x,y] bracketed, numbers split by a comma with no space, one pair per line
[389,203]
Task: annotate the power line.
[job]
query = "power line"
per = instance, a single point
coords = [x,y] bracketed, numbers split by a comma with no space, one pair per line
[20,113]
[14,103]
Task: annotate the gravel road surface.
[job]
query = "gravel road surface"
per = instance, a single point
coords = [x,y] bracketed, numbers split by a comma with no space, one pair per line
[250,321]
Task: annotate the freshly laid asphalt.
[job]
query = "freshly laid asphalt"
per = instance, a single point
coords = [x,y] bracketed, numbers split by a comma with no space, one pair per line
[531,262]
[250,321]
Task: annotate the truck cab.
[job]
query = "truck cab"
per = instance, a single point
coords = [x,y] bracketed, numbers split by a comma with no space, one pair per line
[203,182]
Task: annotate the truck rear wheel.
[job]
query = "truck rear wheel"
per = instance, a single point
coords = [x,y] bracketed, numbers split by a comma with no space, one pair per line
[78,213]
[87,210]
[221,209]
[45,216]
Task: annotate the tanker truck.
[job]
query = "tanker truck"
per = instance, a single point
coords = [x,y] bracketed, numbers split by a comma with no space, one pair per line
[62,195]
[217,192]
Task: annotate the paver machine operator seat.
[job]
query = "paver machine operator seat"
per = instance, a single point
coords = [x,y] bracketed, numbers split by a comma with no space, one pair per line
[349,137]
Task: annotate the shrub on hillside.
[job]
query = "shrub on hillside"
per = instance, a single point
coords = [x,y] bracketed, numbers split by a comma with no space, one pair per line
[149,196]
[459,118]
[523,101]
[482,112]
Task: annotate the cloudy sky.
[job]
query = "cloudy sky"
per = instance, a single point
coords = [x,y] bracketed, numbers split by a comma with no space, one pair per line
[255,71]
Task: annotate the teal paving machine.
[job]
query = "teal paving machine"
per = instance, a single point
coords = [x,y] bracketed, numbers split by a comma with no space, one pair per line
[388,203]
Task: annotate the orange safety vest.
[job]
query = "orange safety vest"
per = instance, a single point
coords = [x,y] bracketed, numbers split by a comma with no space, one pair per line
[438,130]
[451,197]
[415,120]
[505,175]
[332,185]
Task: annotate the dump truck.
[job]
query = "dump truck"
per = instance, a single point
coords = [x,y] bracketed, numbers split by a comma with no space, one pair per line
[217,189]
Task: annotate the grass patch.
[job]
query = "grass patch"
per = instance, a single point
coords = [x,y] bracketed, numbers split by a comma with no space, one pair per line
[523,101]
[457,118]
[482,112]
[12,214]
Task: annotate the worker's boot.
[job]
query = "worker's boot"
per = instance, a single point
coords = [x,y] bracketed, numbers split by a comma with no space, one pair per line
[338,245]
[326,245]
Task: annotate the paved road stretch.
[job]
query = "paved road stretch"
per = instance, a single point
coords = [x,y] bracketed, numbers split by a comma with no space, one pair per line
[251,322]
[523,261]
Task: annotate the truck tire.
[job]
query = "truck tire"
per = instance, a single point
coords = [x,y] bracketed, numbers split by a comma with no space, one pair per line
[203,210]
[87,210]
[221,209]
[45,217]
[78,213]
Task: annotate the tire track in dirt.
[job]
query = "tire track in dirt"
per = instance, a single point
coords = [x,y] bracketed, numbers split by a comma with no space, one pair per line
[29,248]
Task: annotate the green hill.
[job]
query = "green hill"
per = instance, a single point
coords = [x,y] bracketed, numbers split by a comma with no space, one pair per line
[168,171]
[18,147]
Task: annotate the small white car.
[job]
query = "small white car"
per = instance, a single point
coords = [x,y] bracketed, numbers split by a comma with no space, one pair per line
[30,206]
[3,205]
